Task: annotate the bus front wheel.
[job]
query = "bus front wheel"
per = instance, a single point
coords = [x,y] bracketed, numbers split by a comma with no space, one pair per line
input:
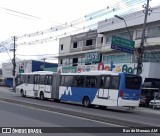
[22,93]
[86,101]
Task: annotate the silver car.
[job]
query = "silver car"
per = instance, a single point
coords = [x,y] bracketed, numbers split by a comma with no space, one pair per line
[156,103]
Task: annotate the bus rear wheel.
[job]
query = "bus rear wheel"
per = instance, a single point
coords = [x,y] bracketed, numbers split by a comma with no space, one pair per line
[41,96]
[86,101]
[102,107]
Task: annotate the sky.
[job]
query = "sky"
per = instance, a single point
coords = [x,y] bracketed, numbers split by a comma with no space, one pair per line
[50,12]
[16,20]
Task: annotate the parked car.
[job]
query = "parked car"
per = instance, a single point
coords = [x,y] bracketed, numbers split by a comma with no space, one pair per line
[155,102]
[144,100]
[147,95]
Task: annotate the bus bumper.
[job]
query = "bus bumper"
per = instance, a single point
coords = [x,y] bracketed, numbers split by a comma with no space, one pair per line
[128,103]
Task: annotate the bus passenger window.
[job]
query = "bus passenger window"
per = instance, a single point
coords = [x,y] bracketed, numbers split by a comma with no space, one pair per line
[106,82]
[101,82]
[91,81]
[78,81]
[115,82]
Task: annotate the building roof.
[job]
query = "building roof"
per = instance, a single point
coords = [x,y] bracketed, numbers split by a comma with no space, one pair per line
[133,19]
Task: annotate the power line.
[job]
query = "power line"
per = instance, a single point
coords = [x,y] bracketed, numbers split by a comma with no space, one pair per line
[87,17]
[94,26]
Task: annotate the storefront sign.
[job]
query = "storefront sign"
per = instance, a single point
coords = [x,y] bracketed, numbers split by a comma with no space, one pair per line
[128,68]
[69,69]
[93,57]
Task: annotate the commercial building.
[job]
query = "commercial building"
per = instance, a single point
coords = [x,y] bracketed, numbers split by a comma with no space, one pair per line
[92,50]
[25,66]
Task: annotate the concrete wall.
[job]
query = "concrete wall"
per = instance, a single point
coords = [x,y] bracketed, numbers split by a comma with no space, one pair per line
[133,19]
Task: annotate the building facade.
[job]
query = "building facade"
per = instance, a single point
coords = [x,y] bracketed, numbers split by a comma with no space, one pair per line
[92,50]
[24,66]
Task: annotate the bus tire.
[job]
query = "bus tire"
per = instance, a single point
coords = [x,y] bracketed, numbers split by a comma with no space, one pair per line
[22,93]
[56,100]
[102,107]
[41,96]
[86,101]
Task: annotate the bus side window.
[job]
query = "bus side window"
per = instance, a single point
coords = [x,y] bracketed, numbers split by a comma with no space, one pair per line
[68,80]
[31,79]
[48,80]
[114,82]
[107,82]
[62,81]
[78,81]
[91,81]
[101,82]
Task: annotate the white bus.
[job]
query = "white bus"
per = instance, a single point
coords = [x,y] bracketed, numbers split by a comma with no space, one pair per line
[36,84]
[102,88]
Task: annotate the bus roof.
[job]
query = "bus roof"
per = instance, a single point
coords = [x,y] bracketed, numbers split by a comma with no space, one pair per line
[38,73]
[93,73]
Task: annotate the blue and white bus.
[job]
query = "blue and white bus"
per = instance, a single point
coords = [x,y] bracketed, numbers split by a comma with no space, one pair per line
[102,88]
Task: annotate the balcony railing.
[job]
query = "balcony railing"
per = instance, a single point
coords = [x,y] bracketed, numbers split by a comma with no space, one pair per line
[88,47]
[75,49]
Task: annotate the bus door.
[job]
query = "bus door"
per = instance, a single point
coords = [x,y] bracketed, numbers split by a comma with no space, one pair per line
[36,85]
[104,87]
[48,83]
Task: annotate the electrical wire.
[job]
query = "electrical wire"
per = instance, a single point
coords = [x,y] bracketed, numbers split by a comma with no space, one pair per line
[94,15]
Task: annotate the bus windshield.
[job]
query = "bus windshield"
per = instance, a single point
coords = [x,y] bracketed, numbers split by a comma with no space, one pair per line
[133,82]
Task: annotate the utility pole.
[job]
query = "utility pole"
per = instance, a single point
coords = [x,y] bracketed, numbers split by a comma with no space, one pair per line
[141,48]
[44,59]
[14,63]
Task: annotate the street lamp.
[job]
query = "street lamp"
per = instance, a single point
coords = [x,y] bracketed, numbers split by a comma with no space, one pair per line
[121,18]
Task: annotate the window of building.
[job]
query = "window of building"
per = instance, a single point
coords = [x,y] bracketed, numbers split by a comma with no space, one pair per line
[154,31]
[117,58]
[151,56]
[100,40]
[75,61]
[89,42]
[125,35]
[75,45]
[61,47]
[108,39]
[61,61]
[80,43]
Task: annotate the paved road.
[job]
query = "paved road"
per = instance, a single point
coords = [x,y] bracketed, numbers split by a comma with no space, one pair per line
[13,115]
[138,116]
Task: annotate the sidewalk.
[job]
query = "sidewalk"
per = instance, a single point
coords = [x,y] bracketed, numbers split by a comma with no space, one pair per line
[148,110]
[138,109]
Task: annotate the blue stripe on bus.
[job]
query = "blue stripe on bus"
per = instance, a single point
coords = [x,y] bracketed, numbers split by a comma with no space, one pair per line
[79,93]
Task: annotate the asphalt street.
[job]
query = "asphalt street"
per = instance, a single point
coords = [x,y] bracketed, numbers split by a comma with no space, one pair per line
[13,115]
[138,116]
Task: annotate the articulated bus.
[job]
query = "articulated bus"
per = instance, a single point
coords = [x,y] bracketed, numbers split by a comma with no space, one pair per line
[102,88]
